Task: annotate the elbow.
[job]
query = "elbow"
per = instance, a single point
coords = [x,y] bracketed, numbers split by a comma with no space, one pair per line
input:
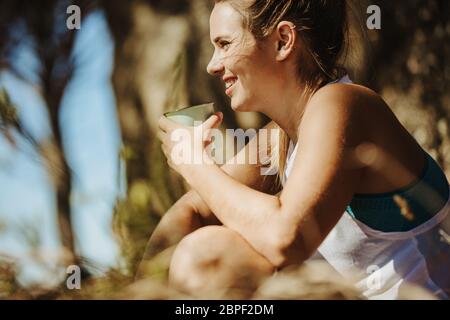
[276,249]
[288,248]
[286,242]
[276,257]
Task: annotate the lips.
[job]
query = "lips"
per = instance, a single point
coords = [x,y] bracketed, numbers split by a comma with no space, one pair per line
[229,84]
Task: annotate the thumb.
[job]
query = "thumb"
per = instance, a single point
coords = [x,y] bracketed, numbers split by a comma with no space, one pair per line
[214,121]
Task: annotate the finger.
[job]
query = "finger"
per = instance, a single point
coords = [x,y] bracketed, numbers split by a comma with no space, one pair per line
[209,125]
[207,135]
[213,121]
[170,164]
[162,136]
[165,124]
[207,143]
[164,150]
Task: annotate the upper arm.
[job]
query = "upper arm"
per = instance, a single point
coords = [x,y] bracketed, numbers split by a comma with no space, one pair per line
[322,181]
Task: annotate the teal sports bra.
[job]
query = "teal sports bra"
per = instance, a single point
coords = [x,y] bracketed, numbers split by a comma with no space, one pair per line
[406,208]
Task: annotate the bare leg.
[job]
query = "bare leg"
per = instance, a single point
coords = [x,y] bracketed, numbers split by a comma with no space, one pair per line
[215,258]
[181,219]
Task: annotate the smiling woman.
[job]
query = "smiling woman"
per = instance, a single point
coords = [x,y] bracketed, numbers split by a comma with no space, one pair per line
[237,58]
[356,187]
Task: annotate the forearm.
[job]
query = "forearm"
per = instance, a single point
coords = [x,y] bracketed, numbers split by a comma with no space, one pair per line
[180,220]
[253,214]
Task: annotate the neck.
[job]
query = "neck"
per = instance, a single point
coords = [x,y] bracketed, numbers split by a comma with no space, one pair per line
[288,110]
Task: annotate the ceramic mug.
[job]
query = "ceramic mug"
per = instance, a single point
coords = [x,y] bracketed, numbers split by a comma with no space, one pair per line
[190,115]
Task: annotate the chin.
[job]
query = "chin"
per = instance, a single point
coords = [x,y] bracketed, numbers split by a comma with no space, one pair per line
[239,107]
[236,107]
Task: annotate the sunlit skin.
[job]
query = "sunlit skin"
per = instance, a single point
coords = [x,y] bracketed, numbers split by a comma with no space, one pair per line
[276,230]
[266,77]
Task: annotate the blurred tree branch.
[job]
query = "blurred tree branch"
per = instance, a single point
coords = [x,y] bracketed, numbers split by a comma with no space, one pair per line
[44,23]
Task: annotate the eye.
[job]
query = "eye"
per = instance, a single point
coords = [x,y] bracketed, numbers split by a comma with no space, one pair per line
[224,44]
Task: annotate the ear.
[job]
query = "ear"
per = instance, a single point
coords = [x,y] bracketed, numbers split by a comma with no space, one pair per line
[286,37]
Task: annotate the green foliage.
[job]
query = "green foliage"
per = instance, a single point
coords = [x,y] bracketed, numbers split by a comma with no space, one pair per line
[134,223]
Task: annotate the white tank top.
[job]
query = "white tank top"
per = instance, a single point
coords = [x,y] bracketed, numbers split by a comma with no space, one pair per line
[382,263]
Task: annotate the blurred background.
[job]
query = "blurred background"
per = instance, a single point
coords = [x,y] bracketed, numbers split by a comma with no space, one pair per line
[82,176]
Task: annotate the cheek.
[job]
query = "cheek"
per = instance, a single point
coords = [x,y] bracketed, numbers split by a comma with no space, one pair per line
[247,97]
[256,81]
[253,82]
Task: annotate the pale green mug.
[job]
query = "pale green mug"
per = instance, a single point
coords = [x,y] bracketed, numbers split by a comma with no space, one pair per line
[191,116]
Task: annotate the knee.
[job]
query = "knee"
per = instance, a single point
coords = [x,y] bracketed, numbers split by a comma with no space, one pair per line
[201,246]
[203,243]
[214,258]
[199,256]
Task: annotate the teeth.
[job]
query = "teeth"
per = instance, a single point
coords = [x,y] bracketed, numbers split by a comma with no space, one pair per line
[229,83]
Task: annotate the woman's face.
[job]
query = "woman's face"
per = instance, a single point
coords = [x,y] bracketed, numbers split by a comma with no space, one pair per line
[247,69]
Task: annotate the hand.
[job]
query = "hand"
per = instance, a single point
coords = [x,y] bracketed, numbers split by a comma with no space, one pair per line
[185,146]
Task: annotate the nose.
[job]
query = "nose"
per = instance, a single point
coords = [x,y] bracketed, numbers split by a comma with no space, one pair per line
[215,66]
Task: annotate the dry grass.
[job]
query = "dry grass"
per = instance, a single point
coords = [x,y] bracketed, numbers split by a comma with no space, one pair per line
[315,280]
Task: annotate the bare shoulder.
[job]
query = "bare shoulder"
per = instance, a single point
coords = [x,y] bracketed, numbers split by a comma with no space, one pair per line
[343,98]
[344,116]
[339,110]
